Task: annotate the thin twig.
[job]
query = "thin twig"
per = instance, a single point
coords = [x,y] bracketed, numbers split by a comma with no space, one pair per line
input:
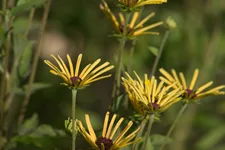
[31,16]
[117,81]
[139,133]
[35,62]
[4,79]
[150,122]
[173,125]
[156,62]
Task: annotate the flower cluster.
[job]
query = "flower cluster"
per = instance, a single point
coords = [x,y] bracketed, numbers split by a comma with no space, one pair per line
[133,29]
[147,96]
[191,93]
[132,5]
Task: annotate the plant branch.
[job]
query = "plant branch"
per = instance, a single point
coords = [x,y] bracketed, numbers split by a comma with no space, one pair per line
[156,62]
[174,124]
[117,81]
[150,122]
[35,62]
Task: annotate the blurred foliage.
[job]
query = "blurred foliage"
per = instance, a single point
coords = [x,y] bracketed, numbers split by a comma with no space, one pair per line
[198,41]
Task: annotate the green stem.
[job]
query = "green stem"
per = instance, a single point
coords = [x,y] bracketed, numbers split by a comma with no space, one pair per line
[35,62]
[4,4]
[31,16]
[74,95]
[139,133]
[156,62]
[131,53]
[150,122]
[173,125]
[117,81]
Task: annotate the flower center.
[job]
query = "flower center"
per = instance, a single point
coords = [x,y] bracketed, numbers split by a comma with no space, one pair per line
[105,141]
[190,93]
[75,80]
[121,28]
[155,105]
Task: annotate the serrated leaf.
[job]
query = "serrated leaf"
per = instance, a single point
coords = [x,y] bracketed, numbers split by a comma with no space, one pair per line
[24,5]
[153,50]
[29,125]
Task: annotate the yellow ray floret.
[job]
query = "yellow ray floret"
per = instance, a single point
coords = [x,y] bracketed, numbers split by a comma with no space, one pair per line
[108,140]
[134,27]
[132,4]
[191,92]
[147,96]
[73,77]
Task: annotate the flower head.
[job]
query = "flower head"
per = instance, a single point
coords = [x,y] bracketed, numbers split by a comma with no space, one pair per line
[129,5]
[75,79]
[107,141]
[148,96]
[133,28]
[191,92]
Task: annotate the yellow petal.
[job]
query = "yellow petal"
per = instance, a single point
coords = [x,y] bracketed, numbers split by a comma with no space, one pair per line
[90,128]
[144,20]
[105,124]
[194,78]
[71,65]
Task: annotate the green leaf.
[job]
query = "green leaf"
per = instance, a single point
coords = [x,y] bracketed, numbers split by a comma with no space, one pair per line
[212,138]
[158,139]
[29,125]
[35,87]
[150,145]
[1,35]
[46,130]
[25,60]
[24,5]
[153,50]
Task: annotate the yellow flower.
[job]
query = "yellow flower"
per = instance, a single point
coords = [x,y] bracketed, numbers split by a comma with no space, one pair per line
[75,79]
[133,4]
[133,29]
[191,93]
[107,141]
[149,97]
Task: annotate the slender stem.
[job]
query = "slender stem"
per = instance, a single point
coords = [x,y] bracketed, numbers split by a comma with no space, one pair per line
[156,62]
[174,124]
[139,133]
[5,79]
[150,122]
[31,16]
[117,81]
[74,95]
[4,4]
[35,62]
[131,53]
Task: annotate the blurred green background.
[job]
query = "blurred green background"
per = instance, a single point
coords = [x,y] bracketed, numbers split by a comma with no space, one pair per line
[78,26]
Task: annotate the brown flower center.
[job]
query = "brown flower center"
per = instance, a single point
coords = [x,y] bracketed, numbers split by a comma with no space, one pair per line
[105,141]
[190,93]
[75,80]
[155,105]
[128,30]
